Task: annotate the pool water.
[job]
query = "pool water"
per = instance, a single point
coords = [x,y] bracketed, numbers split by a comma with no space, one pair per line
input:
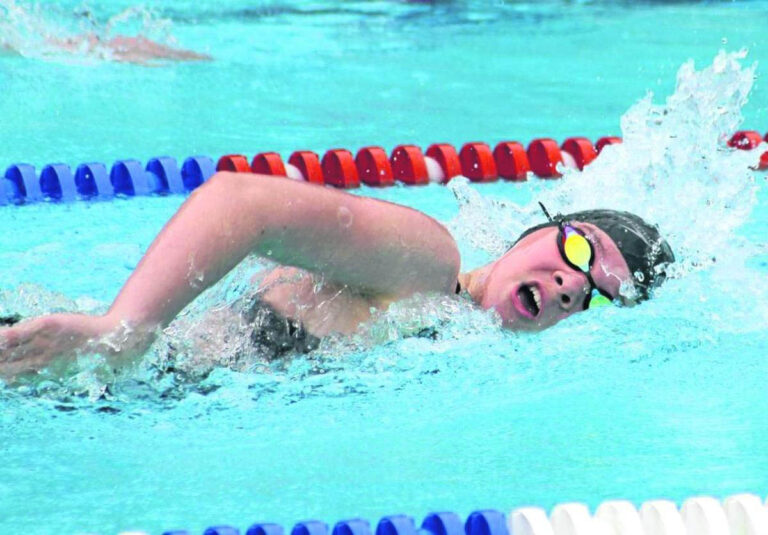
[663,401]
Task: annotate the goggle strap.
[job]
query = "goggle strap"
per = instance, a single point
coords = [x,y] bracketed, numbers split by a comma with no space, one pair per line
[546,212]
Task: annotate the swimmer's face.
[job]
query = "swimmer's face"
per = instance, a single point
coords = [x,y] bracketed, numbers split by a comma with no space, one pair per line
[534,272]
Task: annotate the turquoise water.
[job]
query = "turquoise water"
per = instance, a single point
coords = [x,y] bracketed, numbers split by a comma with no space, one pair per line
[667,400]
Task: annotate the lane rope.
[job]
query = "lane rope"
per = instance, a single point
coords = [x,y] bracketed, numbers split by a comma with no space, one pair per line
[703,515]
[406,164]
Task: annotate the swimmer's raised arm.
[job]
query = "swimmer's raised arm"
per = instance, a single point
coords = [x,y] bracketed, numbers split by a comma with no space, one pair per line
[373,247]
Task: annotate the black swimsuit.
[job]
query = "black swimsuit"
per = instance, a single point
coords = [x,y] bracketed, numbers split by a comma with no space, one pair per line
[273,335]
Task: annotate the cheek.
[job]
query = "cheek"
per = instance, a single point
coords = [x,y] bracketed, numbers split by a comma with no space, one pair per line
[501,304]
[500,283]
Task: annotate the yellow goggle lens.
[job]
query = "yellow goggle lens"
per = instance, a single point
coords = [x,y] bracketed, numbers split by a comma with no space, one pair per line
[577,251]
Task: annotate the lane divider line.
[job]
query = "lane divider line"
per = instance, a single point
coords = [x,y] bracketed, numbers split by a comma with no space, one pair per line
[407,164]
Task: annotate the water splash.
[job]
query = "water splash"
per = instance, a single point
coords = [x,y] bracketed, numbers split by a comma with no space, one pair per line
[672,164]
[30,300]
[673,169]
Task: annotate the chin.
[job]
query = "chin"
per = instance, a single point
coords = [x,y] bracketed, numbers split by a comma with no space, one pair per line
[515,322]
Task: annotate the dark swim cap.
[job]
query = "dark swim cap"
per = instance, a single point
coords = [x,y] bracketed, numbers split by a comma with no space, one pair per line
[641,245]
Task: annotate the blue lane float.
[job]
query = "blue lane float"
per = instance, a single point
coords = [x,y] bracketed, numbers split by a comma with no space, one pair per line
[57,182]
[354,526]
[195,170]
[21,184]
[443,524]
[396,525]
[265,529]
[92,181]
[486,522]
[166,172]
[130,178]
[310,527]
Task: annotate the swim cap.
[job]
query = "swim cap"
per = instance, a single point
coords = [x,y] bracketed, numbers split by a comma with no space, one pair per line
[641,245]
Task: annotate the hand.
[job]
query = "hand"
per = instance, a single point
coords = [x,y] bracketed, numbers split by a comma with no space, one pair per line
[31,345]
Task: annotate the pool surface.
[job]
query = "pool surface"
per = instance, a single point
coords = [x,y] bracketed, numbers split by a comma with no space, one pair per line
[667,400]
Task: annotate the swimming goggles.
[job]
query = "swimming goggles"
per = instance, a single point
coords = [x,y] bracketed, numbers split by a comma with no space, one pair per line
[577,251]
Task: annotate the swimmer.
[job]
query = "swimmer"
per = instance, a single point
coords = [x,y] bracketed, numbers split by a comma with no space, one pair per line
[343,257]
[97,39]
[139,50]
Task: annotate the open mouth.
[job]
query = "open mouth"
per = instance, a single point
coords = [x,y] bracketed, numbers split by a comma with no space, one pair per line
[530,298]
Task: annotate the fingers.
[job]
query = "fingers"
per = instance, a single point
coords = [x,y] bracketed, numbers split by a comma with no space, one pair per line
[19,342]
[22,350]
[34,344]
[10,371]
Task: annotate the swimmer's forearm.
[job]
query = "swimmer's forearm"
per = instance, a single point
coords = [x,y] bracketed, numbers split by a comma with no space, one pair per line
[198,246]
[362,243]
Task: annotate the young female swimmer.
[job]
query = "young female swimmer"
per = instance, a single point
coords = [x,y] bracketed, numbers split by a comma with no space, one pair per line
[344,255]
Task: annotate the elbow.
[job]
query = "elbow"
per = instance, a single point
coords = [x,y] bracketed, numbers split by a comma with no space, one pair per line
[229,185]
[221,180]
[222,188]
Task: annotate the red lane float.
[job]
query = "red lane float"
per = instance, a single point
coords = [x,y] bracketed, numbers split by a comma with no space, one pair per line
[581,149]
[512,161]
[373,167]
[477,163]
[445,155]
[408,165]
[745,140]
[236,163]
[268,163]
[339,169]
[308,163]
[749,140]
[607,140]
[544,155]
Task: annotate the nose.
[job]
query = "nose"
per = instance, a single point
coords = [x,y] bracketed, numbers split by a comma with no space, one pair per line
[571,288]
